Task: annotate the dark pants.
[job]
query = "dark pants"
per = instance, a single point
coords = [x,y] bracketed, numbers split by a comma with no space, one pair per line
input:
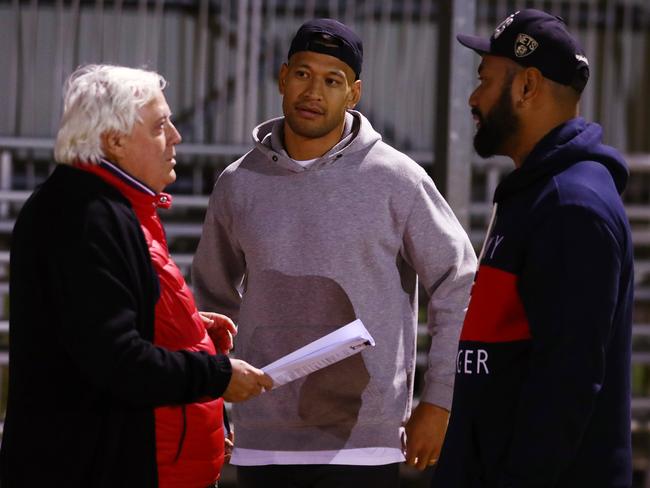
[318,476]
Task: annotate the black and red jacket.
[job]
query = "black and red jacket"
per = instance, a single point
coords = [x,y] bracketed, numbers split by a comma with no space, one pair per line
[189,437]
[85,374]
[542,392]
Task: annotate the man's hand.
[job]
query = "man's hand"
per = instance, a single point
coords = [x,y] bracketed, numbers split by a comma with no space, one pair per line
[220,329]
[425,432]
[228,446]
[246,382]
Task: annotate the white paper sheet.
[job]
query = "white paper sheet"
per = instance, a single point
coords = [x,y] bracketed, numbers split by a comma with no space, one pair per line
[340,344]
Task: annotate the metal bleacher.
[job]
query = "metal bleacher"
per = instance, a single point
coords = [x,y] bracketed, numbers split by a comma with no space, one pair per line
[221,59]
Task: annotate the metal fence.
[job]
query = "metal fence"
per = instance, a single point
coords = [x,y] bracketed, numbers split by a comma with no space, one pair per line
[222,59]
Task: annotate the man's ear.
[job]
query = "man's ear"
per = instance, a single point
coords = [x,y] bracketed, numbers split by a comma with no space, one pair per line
[531,84]
[112,145]
[284,69]
[354,95]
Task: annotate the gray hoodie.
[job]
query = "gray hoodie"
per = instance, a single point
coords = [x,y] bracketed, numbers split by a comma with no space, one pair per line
[292,253]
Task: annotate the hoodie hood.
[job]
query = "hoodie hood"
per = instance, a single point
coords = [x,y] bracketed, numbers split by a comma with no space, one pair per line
[571,142]
[358,135]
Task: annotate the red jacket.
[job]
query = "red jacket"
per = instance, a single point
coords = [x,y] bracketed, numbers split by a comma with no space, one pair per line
[189,438]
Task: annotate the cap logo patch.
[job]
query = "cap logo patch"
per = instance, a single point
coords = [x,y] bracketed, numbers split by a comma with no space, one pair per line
[503,25]
[525,45]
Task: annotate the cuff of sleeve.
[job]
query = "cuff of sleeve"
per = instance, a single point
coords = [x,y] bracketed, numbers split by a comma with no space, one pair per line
[437,393]
[223,374]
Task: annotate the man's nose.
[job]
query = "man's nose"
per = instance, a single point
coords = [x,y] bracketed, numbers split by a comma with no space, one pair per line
[314,90]
[472,102]
[174,136]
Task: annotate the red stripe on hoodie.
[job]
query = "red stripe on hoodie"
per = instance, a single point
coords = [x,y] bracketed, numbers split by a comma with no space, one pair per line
[495,312]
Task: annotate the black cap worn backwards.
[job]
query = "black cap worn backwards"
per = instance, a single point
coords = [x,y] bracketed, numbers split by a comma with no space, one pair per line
[329,36]
[533,38]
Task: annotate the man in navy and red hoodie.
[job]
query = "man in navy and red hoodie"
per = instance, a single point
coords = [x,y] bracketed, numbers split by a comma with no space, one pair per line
[542,395]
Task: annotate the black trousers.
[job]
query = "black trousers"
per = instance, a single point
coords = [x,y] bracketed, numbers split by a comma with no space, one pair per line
[318,476]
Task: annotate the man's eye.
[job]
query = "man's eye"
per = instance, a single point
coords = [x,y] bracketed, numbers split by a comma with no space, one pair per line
[332,82]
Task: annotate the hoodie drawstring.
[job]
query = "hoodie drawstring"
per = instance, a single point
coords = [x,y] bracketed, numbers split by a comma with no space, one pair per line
[493,219]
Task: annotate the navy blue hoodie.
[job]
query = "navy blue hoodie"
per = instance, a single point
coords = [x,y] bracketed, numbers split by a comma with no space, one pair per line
[542,395]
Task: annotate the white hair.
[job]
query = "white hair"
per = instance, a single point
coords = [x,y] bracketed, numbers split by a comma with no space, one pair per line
[97,99]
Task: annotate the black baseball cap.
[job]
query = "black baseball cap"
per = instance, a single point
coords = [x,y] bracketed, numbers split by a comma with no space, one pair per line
[329,36]
[533,38]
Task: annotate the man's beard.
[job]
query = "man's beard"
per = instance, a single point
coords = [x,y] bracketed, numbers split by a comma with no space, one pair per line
[497,126]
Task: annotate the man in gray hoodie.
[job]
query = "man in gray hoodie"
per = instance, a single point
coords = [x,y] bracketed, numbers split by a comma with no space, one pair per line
[319,224]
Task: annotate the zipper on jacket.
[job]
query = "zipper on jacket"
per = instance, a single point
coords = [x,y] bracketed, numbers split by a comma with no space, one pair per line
[183,432]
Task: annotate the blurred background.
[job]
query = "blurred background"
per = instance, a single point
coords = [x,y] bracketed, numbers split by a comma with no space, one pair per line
[221,58]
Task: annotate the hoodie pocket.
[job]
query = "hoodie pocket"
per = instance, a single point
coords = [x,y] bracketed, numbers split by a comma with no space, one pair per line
[334,395]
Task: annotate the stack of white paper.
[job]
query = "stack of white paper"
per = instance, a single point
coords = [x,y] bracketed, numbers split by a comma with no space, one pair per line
[340,344]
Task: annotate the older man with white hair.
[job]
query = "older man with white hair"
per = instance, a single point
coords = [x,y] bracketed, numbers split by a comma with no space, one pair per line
[114,376]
